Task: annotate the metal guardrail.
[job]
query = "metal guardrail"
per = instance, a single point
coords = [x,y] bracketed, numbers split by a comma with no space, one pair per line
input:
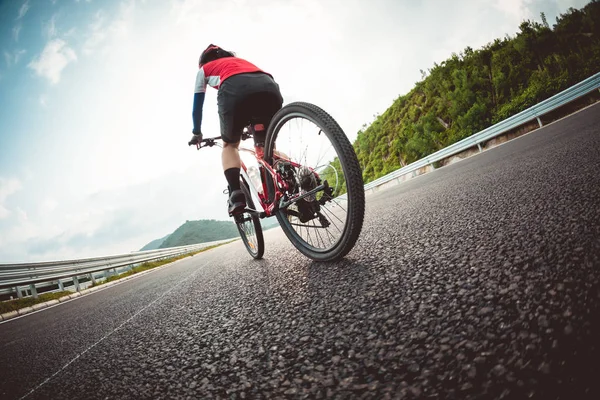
[28,274]
[574,92]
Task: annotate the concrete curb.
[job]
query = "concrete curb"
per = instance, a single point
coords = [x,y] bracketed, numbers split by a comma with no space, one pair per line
[10,315]
[26,310]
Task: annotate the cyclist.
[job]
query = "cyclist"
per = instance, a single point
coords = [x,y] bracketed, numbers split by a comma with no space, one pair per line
[246,94]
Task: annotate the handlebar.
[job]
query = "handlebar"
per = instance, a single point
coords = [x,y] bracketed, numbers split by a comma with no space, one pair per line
[210,142]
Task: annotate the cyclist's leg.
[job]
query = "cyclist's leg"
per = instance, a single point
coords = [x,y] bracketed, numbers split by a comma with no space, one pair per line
[268,102]
[272,105]
[227,99]
[264,106]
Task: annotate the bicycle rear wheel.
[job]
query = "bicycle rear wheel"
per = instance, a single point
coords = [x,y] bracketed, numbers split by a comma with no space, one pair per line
[312,154]
[249,227]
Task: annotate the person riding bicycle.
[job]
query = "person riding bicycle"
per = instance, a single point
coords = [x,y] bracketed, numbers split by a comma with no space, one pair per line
[246,94]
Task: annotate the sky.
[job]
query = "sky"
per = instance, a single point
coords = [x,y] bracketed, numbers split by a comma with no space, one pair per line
[96,99]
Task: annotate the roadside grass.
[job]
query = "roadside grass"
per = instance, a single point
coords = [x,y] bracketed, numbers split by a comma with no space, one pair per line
[16,304]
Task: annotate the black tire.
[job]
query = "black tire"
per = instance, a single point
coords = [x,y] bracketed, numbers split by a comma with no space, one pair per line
[350,171]
[250,223]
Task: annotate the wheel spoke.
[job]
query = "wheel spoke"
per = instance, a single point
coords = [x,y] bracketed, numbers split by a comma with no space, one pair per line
[318,233]
[329,212]
[334,224]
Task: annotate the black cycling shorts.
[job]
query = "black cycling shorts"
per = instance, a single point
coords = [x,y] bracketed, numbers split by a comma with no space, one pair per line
[247,98]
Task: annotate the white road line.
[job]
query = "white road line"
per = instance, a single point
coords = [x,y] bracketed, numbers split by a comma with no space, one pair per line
[187,278]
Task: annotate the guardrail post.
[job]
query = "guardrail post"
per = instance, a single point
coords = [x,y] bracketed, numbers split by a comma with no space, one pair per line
[479,147]
[76,283]
[110,272]
[34,292]
[61,287]
[539,121]
[92,278]
[19,294]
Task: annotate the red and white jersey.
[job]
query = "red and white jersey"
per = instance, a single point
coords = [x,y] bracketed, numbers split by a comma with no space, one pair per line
[214,73]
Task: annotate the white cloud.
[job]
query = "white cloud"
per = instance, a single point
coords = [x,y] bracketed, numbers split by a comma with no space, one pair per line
[54,58]
[16,30]
[13,58]
[21,215]
[7,188]
[48,205]
[18,54]
[518,9]
[43,100]
[112,221]
[23,10]
[97,33]
[103,36]
[70,32]
[50,27]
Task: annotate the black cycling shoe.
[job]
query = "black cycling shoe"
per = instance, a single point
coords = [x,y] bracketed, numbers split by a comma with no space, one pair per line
[237,202]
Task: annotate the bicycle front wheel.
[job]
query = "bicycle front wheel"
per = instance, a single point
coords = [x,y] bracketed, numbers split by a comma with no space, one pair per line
[323,208]
[249,227]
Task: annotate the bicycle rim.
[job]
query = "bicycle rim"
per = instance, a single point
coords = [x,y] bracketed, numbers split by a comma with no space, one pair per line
[250,229]
[324,226]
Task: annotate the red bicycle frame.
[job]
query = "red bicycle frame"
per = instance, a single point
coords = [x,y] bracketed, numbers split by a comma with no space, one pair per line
[279,185]
[266,172]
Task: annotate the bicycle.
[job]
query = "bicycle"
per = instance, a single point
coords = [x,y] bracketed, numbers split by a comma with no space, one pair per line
[313,187]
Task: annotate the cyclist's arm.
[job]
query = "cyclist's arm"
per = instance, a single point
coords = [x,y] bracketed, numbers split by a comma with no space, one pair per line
[199,94]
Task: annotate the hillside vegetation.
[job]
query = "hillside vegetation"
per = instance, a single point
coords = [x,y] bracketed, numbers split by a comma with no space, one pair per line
[477,88]
[201,231]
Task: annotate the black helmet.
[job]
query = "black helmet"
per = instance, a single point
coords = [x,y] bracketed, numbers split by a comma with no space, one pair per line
[213,52]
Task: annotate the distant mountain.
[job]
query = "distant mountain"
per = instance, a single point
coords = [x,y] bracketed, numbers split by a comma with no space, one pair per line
[201,231]
[155,244]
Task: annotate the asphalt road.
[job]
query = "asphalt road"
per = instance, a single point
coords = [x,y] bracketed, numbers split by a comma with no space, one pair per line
[478,280]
